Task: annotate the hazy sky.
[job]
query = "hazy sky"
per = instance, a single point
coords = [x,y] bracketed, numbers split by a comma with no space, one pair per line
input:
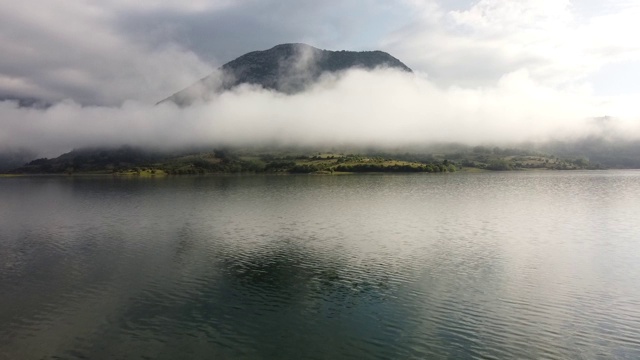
[106,52]
[491,64]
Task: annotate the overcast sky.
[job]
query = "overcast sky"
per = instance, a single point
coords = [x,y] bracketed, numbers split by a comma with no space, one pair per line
[485,71]
[106,52]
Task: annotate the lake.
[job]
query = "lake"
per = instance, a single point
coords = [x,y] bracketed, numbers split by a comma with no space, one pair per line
[493,265]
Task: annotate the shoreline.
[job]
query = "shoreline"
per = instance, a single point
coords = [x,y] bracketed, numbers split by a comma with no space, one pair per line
[468,170]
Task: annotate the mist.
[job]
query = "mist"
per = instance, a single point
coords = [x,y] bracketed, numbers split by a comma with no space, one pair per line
[383,107]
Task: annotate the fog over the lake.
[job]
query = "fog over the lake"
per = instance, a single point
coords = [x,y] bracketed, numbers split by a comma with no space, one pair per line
[485,72]
[383,107]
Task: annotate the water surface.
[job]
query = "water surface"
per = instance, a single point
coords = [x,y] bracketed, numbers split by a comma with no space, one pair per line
[491,265]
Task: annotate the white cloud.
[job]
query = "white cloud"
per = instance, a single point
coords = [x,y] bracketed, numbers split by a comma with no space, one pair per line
[384,107]
[115,50]
[56,50]
[478,45]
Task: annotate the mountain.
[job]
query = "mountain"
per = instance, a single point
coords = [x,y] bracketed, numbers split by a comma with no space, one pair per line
[287,68]
[13,158]
[127,160]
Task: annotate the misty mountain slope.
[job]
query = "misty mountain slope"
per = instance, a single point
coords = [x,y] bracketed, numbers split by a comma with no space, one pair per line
[13,158]
[287,68]
[91,159]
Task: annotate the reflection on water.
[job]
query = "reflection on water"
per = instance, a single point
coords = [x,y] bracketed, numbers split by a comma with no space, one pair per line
[496,265]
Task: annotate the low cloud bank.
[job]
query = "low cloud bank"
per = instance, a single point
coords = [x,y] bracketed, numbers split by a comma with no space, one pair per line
[358,108]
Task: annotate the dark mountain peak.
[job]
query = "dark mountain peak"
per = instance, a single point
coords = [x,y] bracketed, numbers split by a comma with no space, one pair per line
[278,51]
[287,68]
[291,47]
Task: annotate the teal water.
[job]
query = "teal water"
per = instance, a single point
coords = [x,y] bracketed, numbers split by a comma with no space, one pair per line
[492,265]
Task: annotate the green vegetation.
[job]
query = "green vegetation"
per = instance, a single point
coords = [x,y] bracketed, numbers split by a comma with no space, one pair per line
[503,159]
[142,172]
[129,161]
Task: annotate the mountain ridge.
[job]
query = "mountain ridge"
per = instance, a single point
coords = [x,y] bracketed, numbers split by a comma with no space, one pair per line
[287,68]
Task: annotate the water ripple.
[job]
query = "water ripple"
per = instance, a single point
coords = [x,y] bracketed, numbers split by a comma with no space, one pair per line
[483,266]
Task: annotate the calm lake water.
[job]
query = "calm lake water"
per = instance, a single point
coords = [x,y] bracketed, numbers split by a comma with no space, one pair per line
[490,265]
